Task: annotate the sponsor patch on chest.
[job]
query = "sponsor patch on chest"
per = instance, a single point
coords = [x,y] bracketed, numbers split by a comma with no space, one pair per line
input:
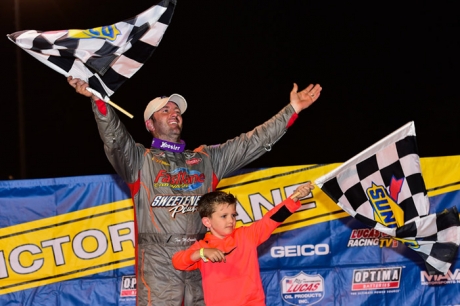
[179,179]
[179,204]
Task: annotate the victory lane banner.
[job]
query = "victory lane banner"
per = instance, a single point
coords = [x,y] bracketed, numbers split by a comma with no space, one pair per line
[69,241]
[66,241]
[67,246]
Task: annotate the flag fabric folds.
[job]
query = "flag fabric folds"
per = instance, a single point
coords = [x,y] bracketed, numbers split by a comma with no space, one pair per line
[105,56]
[383,188]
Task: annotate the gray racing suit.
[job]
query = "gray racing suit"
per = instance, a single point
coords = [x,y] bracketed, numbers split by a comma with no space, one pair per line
[165,188]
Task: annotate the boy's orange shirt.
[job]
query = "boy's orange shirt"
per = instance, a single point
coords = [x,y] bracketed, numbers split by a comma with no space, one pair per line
[236,281]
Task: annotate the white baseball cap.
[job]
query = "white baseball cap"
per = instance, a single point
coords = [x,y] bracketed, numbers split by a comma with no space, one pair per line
[157,103]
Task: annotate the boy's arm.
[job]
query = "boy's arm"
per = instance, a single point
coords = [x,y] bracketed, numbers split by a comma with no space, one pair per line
[263,228]
[260,231]
[185,259]
[188,259]
[289,206]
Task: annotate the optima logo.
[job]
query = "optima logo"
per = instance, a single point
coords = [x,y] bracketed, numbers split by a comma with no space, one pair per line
[379,278]
[67,246]
[128,286]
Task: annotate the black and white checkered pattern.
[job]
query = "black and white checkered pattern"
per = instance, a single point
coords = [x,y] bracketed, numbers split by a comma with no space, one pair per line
[436,239]
[392,160]
[105,57]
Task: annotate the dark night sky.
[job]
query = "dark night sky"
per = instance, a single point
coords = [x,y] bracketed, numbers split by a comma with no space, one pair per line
[381,65]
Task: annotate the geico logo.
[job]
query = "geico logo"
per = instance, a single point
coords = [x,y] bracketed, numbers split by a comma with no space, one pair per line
[87,244]
[299,250]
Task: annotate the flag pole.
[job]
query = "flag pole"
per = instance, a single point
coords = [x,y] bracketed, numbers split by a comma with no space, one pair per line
[119,108]
[107,100]
[294,195]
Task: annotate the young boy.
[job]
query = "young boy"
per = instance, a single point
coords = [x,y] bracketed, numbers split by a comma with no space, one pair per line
[227,257]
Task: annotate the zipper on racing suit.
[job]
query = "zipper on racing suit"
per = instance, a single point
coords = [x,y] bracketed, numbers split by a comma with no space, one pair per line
[268,147]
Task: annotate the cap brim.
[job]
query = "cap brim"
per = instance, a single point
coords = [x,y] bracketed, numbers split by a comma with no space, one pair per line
[179,100]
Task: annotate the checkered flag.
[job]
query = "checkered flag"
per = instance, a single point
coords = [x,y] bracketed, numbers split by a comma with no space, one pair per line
[383,188]
[105,57]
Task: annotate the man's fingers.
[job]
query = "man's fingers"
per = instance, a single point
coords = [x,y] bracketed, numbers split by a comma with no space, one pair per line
[72,82]
[309,87]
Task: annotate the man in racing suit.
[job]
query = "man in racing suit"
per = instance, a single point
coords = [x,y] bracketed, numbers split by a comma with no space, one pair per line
[166,181]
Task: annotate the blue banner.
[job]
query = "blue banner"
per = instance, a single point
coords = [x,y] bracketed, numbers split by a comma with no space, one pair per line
[56,242]
[70,241]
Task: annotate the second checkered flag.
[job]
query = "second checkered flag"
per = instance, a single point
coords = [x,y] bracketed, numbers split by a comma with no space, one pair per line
[383,188]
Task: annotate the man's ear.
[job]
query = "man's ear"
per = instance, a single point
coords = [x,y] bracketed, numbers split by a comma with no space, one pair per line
[206,222]
[149,125]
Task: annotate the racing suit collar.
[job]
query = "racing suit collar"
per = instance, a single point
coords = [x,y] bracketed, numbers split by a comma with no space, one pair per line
[168,145]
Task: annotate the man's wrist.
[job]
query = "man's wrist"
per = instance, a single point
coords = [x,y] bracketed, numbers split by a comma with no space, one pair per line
[296,107]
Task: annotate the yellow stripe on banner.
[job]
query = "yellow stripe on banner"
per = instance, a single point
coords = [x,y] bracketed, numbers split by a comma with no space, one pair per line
[257,192]
[67,246]
[260,191]
[441,174]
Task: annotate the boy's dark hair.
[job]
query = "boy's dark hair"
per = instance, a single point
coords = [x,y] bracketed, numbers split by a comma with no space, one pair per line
[207,203]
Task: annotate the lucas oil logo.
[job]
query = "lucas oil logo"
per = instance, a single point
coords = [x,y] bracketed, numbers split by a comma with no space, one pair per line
[179,179]
[302,289]
[364,237]
[107,32]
